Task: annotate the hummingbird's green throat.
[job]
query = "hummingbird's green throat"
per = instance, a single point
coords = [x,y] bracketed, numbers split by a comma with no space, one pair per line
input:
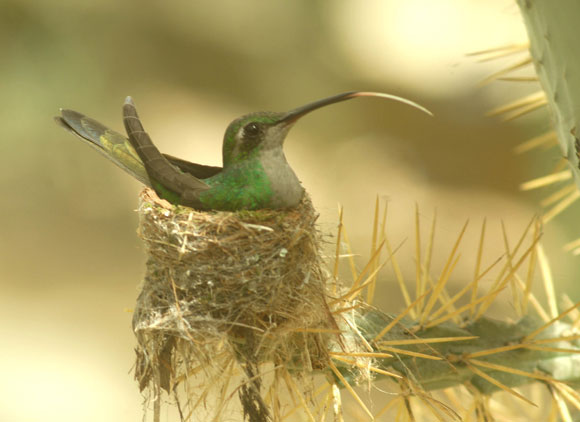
[255,173]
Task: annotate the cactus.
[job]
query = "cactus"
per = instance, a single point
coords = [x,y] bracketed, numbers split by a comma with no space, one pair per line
[295,337]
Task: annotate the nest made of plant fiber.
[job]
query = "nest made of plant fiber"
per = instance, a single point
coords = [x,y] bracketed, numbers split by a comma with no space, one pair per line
[249,284]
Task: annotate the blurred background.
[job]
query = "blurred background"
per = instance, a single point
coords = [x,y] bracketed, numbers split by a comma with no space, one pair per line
[70,259]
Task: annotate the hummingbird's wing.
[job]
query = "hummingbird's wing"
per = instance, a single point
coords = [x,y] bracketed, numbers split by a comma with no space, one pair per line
[198,170]
[169,182]
[111,144]
[118,149]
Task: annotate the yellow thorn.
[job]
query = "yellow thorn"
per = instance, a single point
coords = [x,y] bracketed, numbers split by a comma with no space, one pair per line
[547,324]
[224,388]
[337,403]
[347,309]
[546,180]
[354,395]
[556,339]
[547,138]
[568,393]
[451,395]
[572,245]
[531,346]
[574,315]
[362,339]
[509,370]
[429,254]
[364,366]
[558,195]
[491,296]
[522,103]
[531,268]
[561,206]
[432,403]
[532,106]
[518,65]
[390,404]
[298,393]
[459,294]
[515,292]
[535,303]
[444,298]
[368,266]
[410,353]
[562,407]
[383,372]
[323,405]
[372,284]
[438,292]
[519,78]
[478,264]
[498,384]
[424,340]
[381,236]
[445,273]
[362,354]
[337,253]
[419,288]
[548,280]
[350,255]
[352,293]
[497,52]
[401,315]
[523,236]
[499,280]
[495,350]
[399,277]
[464,308]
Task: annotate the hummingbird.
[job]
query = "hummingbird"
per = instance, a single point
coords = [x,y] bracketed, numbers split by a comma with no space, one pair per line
[255,173]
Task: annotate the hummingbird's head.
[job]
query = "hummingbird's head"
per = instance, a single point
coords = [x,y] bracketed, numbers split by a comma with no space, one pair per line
[256,132]
[250,134]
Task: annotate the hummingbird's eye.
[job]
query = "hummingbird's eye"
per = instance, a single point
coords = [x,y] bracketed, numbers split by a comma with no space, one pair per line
[251,130]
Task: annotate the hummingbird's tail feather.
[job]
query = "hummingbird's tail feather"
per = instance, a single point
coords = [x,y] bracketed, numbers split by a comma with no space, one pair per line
[118,149]
[168,181]
[111,144]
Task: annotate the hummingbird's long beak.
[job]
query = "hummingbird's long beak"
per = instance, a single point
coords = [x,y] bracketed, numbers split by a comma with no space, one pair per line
[297,113]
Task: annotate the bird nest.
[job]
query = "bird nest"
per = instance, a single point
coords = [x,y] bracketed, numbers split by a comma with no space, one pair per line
[226,289]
